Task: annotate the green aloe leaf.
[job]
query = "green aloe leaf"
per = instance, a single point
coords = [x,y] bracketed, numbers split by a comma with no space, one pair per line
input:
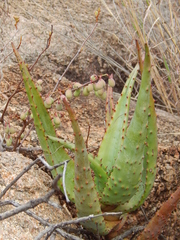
[149,164]
[109,105]
[125,179]
[100,175]
[114,136]
[86,196]
[53,152]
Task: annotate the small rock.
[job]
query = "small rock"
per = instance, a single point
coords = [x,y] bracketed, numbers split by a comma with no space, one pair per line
[29,186]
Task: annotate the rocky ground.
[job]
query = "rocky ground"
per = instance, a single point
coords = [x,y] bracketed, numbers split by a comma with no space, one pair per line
[34,26]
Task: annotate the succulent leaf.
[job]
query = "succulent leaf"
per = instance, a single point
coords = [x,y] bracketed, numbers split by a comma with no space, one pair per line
[53,152]
[126,176]
[86,196]
[149,164]
[109,105]
[100,175]
[114,136]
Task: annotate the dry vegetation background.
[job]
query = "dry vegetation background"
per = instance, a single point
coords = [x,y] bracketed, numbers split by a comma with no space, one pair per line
[111,48]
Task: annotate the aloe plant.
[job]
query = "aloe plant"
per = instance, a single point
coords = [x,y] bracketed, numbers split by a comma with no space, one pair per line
[125,166]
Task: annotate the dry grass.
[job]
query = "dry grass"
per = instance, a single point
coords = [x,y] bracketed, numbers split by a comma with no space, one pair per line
[157,22]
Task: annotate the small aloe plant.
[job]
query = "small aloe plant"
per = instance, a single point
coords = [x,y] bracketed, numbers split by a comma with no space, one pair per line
[125,166]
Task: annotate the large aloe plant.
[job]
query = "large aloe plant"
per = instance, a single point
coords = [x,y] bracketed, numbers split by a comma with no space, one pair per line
[125,166]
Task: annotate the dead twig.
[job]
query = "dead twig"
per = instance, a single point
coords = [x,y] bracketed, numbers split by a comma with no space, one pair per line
[64,173]
[11,51]
[17,90]
[25,124]
[78,52]
[24,150]
[47,46]
[133,230]
[31,203]
[26,169]
[41,220]
[64,185]
[53,227]
[25,136]
[49,167]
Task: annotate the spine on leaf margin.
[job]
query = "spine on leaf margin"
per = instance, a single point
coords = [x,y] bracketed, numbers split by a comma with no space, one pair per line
[126,177]
[117,126]
[86,196]
[109,105]
[149,160]
[100,174]
[53,151]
